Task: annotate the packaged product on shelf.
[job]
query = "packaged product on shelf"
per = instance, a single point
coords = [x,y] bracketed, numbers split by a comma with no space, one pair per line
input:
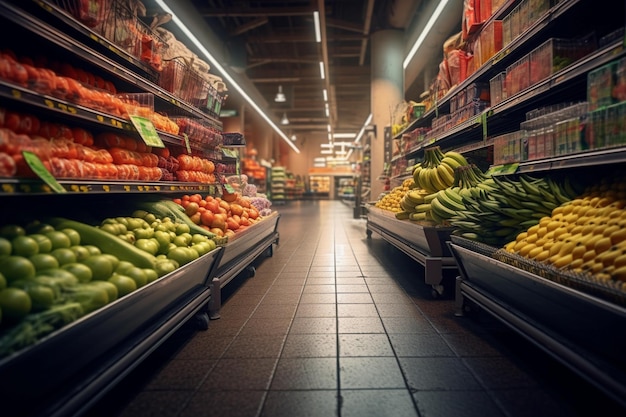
[497,89]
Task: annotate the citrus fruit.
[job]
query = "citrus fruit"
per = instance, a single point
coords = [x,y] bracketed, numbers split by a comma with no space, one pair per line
[15,303]
[64,255]
[138,275]
[59,239]
[44,242]
[44,261]
[9,231]
[81,271]
[5,246]
[24,246]
[16,267]
[73,235]
[100,266]
[125,285]
[81,252]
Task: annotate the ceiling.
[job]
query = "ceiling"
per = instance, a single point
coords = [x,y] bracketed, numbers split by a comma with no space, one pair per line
[272,43]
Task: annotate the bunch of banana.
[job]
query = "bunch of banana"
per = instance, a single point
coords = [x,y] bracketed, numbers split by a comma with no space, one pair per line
[586,235]
[416,204]
[469,182]
[498,216]
[436,171]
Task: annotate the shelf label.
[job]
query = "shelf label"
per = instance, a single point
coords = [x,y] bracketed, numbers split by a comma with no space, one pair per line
[483,122]
[505,169]
[40,170]
[229,188]
[147,131]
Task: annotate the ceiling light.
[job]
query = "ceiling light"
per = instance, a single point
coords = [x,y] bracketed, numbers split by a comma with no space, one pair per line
[293,138]
[422,36]
[325,93]
[344,135]
[322,70]
[327,110]
[220,69]
[284,120]
[280,96]
[318,30]
[326,151]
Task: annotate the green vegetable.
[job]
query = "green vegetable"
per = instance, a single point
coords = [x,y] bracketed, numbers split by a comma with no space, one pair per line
[35,326]
[108,243]
[91,297]
[168,208]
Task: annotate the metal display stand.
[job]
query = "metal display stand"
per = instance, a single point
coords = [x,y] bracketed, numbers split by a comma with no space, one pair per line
[239,253]
[70,369]
[426,245]
[580,330]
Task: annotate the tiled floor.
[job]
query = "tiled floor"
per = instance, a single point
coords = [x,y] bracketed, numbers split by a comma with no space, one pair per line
[335,324]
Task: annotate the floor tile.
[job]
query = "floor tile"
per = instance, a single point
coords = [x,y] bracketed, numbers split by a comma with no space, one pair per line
[419,345]
[407,325]
[357,310]
[310,346]
[312,403]
[364,344]
[354,298]
[370,372]
[240,374]
[224,404]
[360,325]
[304,325]
[181,374]
[458,404]
[257,346]
[316,310]
[377,403]
[438,374]
[305,374]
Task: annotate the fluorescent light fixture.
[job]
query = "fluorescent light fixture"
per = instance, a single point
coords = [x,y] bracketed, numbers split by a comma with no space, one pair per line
[330,138]
[328,128]
[326,145]
[322,70]
[325,94]
[327,110]
[420,39]
[319,159]
[344,135]
[293,138]
[284,120]
[318,29]
[326,151]
[219,68]
[280,96]
[360,134]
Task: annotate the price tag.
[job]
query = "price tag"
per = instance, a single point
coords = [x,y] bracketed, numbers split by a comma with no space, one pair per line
[40,170]
[483,121]
[229,189]
[505,169]
[147,131]
[187,145]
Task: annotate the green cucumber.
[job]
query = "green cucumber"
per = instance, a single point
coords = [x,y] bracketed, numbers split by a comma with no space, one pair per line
[108,243]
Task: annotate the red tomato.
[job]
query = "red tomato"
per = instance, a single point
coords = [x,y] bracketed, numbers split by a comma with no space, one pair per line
[12,121]
[7,165]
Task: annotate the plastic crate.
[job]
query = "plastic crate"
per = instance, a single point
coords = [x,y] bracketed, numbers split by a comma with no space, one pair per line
[555,54]
[517,76]
[497,90]
[600,84]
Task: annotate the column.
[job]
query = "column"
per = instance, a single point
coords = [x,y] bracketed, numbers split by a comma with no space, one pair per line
[387,91]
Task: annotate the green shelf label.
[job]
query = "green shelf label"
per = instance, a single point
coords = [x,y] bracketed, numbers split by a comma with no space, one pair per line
[229,188]
[505,169]
[40,170]
[147,131]
[187,145]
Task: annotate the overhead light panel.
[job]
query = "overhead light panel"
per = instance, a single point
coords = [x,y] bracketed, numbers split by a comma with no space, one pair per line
[280,96]
[222,71]
[318,30]
[293,138]
[344,135]
[420,39]
[322,74]
[325,94]
[327,110]
[284,120]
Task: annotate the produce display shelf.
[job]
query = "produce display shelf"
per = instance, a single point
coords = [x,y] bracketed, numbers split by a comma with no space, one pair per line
[116,69]
[61,107]
[580,330]
[583,159]
[426,245]
[72,368]
[239,253]
[9,186]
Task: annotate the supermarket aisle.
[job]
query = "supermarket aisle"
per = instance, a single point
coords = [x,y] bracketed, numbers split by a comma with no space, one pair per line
[335,324]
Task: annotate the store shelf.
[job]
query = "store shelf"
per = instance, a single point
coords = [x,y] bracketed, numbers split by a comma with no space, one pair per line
[579,330]
[71,368]
[240,251]
[426,245]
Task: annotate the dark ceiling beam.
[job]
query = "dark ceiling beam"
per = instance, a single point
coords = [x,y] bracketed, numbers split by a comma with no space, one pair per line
[291,37]
[246,27]
[342,24]
[255,12]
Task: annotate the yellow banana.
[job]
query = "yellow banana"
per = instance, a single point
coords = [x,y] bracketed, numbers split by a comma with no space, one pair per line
[446,174]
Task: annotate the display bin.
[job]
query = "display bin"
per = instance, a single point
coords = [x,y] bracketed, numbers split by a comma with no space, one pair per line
[240,251]
[497,90]
[577,328]
[180,79]
[71,368]
[517,76]
[554,55]
[425,244]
